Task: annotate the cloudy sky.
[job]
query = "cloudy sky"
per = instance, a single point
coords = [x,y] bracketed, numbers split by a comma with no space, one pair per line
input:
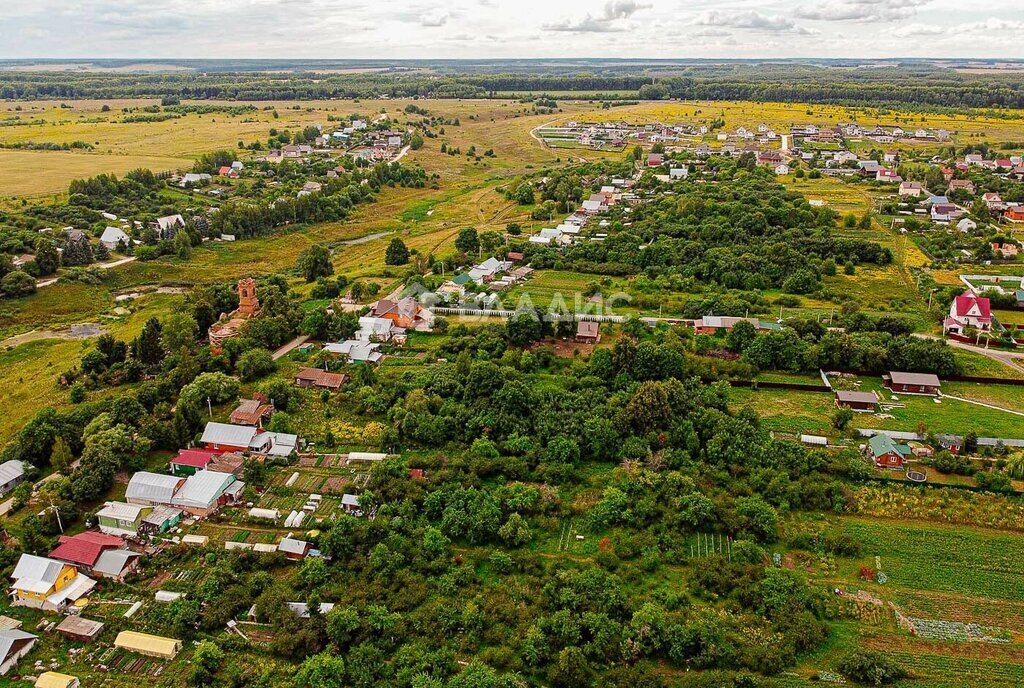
[510,28]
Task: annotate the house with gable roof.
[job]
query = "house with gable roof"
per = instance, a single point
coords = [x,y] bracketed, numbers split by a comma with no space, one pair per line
[886,453]
[968,311]
[47,584]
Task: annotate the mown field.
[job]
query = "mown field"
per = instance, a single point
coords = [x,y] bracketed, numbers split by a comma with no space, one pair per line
[811,412]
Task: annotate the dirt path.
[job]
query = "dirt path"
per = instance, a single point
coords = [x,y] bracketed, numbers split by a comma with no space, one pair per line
[981,403]
[540,139]
[401,154]
[102,266]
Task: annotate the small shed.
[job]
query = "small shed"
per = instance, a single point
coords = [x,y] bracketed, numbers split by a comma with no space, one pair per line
[267,514]
[52,679]
[14,645]
[149,645]
[858,401]
[294,549]
[197,540]
[350,503]
[588,332]
[77,628]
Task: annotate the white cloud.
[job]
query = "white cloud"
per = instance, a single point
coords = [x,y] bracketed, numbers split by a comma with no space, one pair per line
[399,29]
[751,19]
[434,18]
[861,10]
[609,20]
[908,30]
[993,24]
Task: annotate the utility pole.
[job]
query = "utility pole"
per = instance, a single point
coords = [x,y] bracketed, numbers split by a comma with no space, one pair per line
[56,511]
[209,407]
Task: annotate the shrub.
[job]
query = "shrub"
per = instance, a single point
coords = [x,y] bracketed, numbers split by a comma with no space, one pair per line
[871,668]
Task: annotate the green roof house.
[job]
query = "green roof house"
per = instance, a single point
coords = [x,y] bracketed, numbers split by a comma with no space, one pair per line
[886,453]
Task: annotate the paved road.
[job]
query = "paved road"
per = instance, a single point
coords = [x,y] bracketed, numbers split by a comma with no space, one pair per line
[1010,359]
[293,344]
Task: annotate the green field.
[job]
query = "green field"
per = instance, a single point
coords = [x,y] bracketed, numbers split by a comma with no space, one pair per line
[810,412]
[969,562]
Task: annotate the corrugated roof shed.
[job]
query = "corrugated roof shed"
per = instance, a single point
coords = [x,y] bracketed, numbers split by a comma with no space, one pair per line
[203,489]
[52,679]
[146,644]
[11,470]
[11,640]
[79,628]
[230,435]
[121,511]
[293,546]
[112,563]
[152,487]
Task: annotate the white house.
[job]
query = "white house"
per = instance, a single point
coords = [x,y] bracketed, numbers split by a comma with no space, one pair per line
[194,178]
[486,270]
[376,329]
[356,351]
[14,644]
[113,236]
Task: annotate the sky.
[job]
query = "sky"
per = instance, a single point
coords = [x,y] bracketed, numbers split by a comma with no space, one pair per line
[383,29]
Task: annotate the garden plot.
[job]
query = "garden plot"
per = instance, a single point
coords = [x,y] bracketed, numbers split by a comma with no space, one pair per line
[937,664]
[967,562]
[928,604]
[936,629]
[116,661]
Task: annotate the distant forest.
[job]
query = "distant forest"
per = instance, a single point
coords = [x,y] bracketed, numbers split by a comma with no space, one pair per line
[916,84]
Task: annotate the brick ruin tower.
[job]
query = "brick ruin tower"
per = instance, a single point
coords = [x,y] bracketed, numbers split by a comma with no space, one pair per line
[229,324]
[248,304]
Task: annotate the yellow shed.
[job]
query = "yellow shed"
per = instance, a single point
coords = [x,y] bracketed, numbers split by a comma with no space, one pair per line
[146,644]
[51,679]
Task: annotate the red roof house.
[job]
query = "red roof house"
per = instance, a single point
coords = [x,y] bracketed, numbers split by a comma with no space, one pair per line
[1015,214]
[189,461]
[85,548]
[968,310]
